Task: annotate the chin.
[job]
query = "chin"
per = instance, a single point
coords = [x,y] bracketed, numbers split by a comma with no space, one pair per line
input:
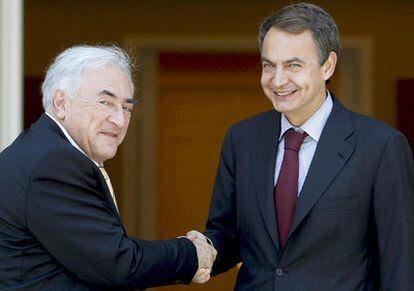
[110,156]
[278,106]
[107,155]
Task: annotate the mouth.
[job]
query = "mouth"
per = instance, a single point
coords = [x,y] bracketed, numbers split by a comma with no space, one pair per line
[285,93]
[110,134]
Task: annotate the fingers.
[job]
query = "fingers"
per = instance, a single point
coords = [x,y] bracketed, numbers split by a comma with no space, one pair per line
[202,276]
[206,254]
[193,234]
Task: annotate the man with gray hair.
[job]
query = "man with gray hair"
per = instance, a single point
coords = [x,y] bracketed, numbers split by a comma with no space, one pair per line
[59,223]
[311,196]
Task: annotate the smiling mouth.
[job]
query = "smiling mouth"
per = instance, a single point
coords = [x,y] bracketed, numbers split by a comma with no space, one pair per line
[110,134]
[285,93]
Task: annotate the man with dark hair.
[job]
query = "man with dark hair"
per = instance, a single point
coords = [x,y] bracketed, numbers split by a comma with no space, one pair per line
[311,196]
[59,223]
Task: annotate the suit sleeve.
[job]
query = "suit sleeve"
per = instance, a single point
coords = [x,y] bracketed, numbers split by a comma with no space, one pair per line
[70,216]
[394,215]
[221,224]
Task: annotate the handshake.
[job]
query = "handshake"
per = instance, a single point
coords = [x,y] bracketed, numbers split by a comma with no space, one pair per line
[206,254]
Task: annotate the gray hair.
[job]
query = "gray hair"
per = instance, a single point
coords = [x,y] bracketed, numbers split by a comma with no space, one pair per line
[65,72]
[296,18]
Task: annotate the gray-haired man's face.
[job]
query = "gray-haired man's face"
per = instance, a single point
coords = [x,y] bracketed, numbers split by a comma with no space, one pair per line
[98,117]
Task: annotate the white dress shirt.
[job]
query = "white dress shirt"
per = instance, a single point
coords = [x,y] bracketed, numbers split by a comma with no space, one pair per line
[313,127]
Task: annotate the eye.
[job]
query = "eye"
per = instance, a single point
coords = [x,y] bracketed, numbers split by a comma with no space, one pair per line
[295,65]
[127,108]
[268,67]
[103,102]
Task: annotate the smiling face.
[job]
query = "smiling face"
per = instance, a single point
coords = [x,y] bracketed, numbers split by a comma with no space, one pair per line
[292,77]
[97,118]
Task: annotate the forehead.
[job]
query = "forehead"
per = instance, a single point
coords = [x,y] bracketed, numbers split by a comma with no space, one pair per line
[287,45]
[109,77]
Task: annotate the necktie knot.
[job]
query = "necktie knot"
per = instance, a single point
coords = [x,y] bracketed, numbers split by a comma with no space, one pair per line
[294,139]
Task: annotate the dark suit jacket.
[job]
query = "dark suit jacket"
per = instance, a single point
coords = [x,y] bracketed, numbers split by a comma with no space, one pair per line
[353,228]
[59,229]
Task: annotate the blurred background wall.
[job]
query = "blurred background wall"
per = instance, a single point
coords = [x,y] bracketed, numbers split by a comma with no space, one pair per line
[198,73]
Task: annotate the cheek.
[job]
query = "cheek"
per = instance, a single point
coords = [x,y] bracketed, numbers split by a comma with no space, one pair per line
[297,77]
[127,120]
[75,125]
[315,78]
[125,128]
[264,80]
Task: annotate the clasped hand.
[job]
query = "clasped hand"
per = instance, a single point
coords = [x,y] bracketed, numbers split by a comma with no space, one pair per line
[206,255]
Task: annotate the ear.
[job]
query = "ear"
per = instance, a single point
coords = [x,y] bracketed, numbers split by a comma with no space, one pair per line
[59,104]
[329,66]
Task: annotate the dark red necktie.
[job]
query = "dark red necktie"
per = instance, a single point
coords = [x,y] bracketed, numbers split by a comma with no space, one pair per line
[286,190]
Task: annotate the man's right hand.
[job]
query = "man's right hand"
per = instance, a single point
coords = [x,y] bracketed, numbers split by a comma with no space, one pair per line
[206,256]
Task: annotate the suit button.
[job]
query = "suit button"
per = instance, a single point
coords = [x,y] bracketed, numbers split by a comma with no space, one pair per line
[279,272]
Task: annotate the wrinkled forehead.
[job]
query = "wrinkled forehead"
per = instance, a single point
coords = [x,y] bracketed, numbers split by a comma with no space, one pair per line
[106,74]
[108,78]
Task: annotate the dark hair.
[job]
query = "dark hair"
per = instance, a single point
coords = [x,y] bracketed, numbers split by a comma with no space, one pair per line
[296,18]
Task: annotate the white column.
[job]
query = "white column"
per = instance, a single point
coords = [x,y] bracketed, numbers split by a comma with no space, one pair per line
[11,70]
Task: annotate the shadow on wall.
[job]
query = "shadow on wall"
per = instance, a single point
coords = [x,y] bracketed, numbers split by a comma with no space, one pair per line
[405,108]
[32,100]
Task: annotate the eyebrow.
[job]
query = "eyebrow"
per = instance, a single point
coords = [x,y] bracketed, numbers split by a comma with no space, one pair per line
[265,60]
[112,94]
[292,60]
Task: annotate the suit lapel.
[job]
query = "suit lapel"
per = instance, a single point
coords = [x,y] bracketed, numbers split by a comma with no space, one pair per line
[107,192]
[45,121]
[333,151]
[263,167]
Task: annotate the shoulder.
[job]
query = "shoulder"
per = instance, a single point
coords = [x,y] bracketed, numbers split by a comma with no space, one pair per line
[40,149]
[256,123]
[367,127]
[363,127]
[63,171]
[373,137]
[64,156]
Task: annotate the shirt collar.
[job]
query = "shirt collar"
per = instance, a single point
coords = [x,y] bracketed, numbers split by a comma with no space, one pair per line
[314,125]
[70,139]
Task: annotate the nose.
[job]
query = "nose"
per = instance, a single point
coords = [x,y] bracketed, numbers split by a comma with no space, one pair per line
[117,117]
[279,78]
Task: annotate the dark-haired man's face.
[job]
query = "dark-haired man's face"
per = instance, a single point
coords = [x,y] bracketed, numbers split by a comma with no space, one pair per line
[292,77]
